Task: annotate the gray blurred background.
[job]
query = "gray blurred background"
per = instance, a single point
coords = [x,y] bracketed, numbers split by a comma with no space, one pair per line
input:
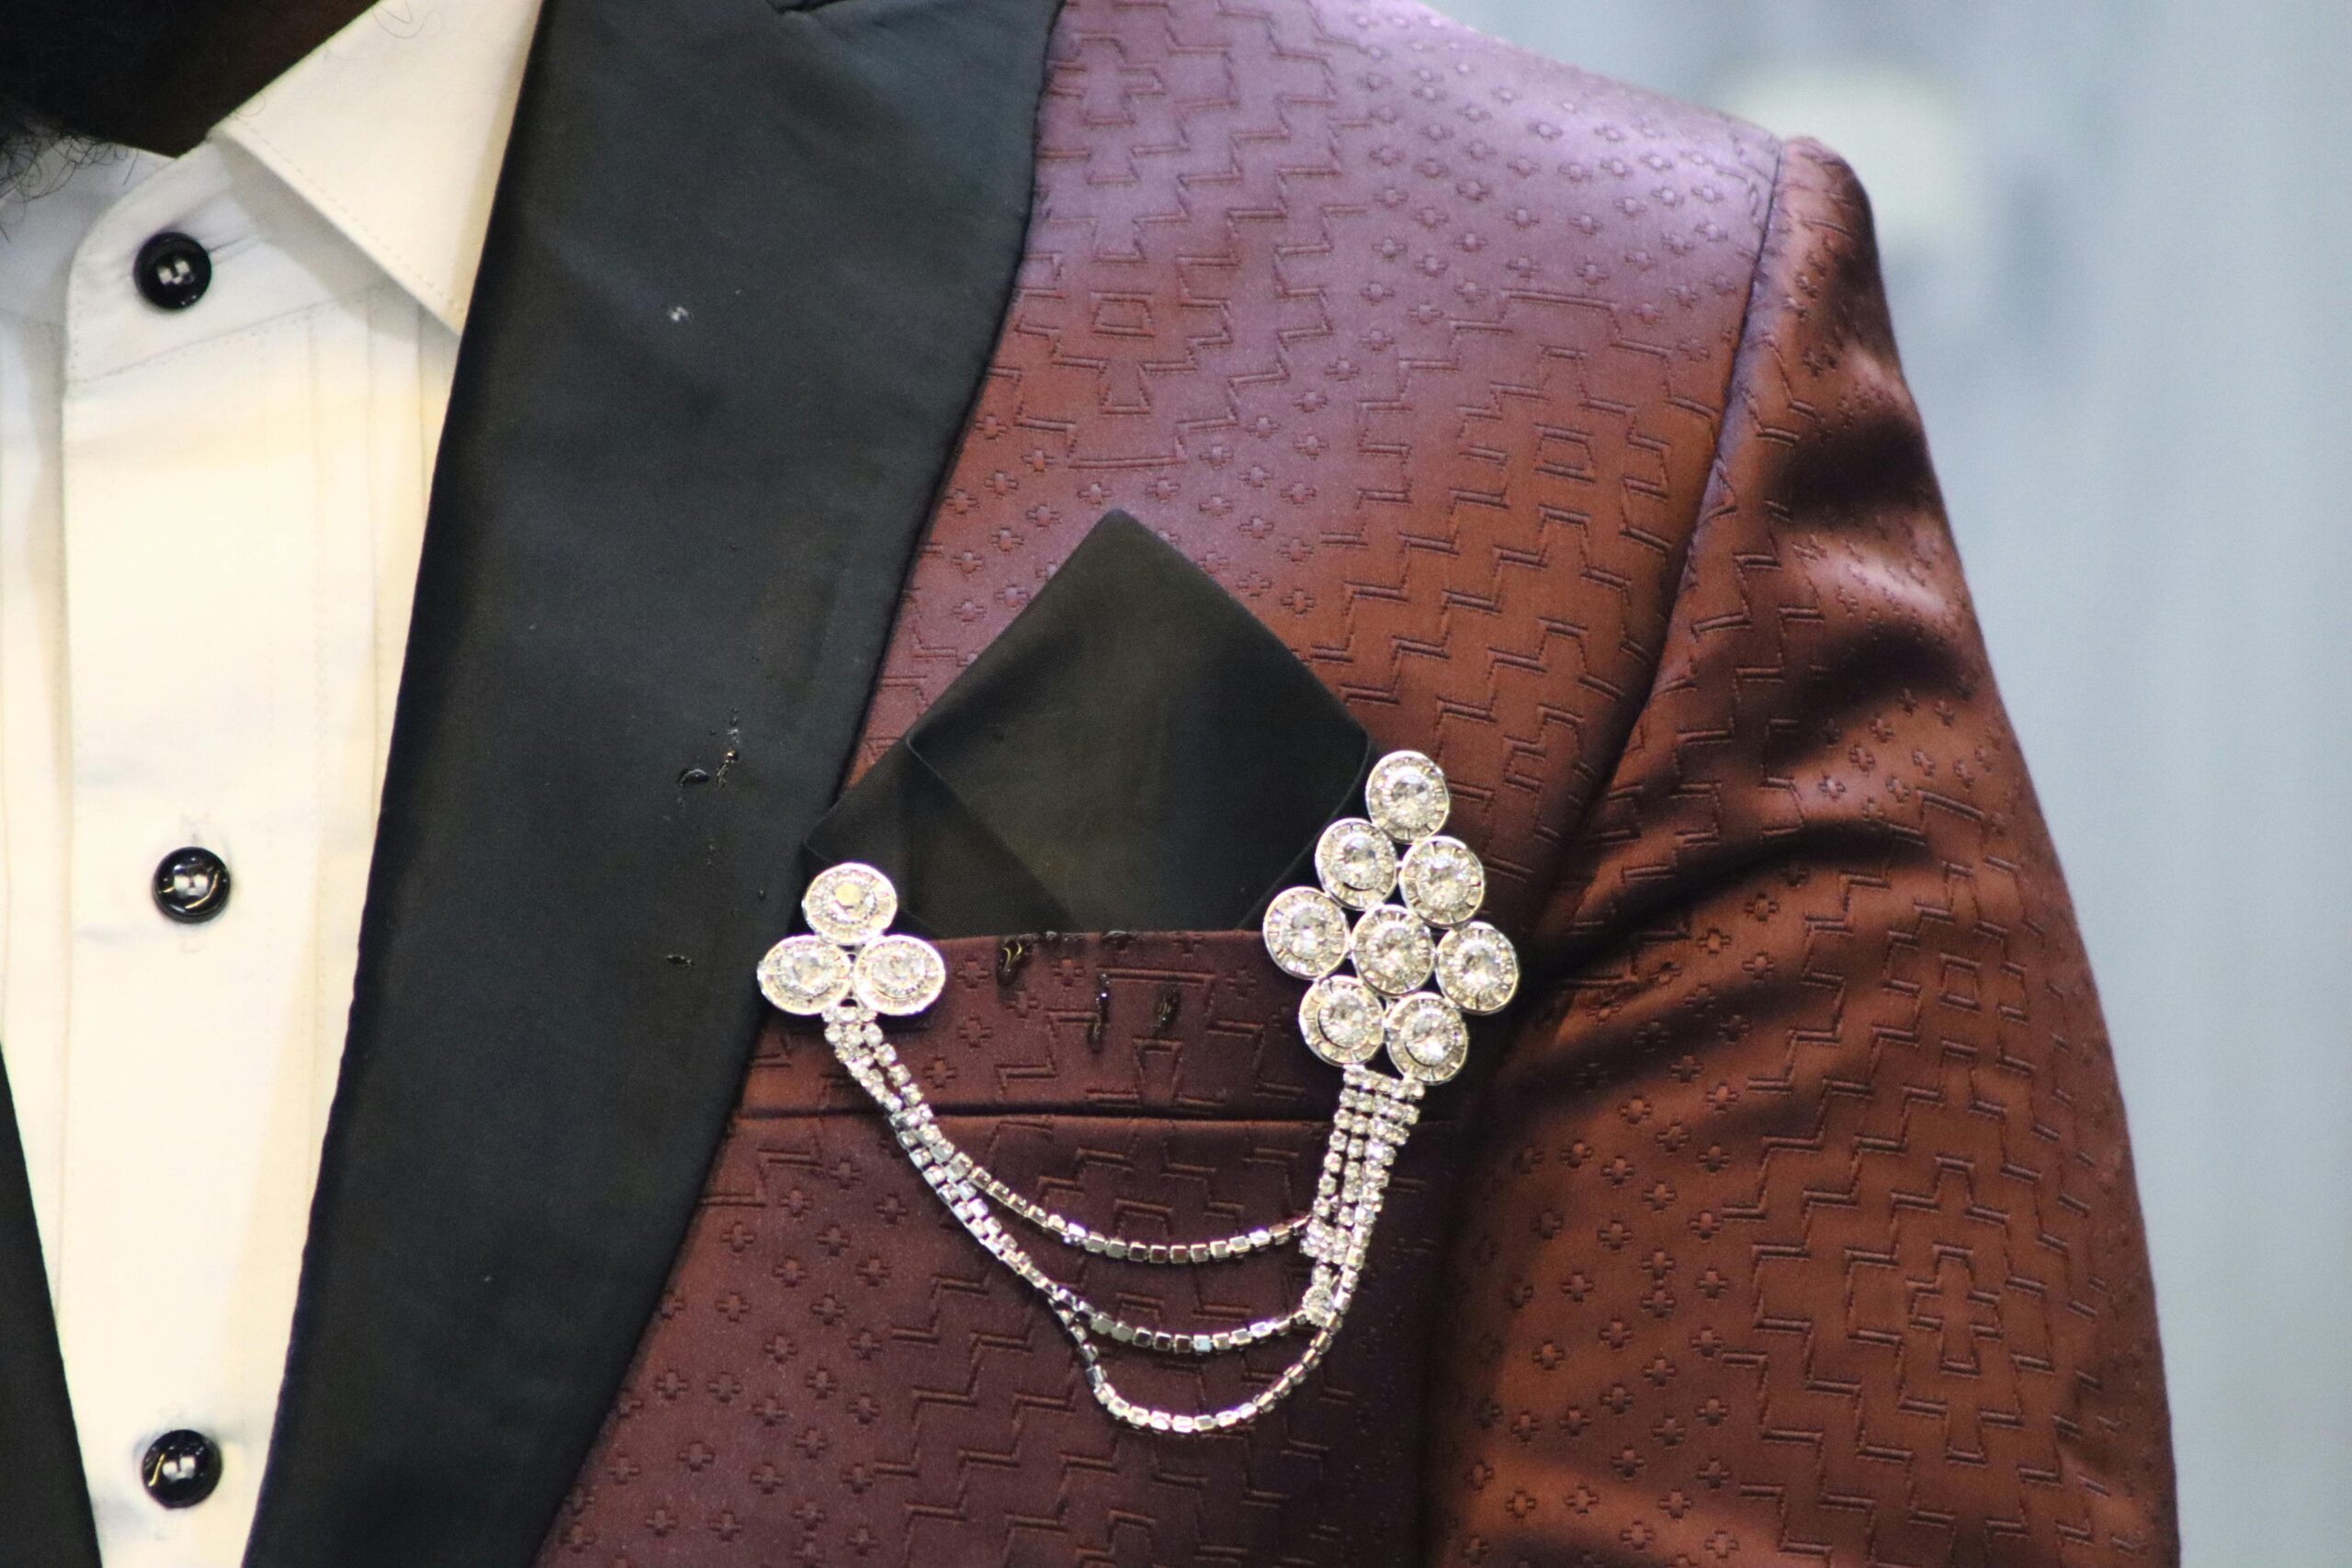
[2115,232]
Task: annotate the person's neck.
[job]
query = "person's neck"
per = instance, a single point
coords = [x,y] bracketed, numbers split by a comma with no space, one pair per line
[160,73]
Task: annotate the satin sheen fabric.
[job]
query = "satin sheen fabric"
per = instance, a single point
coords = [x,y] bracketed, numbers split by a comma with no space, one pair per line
[1559,429]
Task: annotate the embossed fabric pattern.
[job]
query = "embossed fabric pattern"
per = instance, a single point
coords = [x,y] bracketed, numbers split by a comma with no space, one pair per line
[1789,1218]
[839,1375]
[1803,1228]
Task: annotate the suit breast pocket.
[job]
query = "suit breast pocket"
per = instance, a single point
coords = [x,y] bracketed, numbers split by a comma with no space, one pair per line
[830,1320]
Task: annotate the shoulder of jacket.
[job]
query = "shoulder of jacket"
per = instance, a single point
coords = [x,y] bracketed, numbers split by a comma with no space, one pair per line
[1645,201]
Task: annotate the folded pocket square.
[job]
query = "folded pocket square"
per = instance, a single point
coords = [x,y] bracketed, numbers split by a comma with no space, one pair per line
[1134,752]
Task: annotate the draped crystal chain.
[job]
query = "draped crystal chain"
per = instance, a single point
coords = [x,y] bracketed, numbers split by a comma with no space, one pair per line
[852,972]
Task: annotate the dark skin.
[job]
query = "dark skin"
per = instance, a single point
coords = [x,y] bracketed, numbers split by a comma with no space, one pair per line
[153,73]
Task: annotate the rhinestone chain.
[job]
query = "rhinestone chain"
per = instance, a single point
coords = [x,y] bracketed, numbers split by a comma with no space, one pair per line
[1376,1113]
[849,972]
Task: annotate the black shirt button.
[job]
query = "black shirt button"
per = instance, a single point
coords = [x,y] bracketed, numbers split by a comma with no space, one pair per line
[173,271]
[181,1468]
[192,884]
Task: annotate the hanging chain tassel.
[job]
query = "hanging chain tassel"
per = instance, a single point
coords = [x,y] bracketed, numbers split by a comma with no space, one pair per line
[1393,959]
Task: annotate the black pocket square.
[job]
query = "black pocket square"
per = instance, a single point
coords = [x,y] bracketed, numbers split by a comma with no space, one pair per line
[1136,752]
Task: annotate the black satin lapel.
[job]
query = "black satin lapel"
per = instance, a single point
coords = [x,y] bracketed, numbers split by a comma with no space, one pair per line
[44,1503]
[743,277]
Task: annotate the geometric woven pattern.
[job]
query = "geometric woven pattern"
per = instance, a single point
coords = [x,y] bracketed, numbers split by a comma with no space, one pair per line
[838,1374]
[1415,342]
[1558,428]
[1804,1228]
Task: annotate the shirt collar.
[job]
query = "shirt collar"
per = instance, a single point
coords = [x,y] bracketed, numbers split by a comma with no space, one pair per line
[395,130]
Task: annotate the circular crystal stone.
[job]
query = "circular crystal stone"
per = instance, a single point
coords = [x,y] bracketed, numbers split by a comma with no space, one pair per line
[850,903]
[1392,949]
[1407,795]
[1426,1038]
[900,974]
[1306,932]
[1477,968]
[1342,1019]
[804,974]
[1356,863]
[1442,880]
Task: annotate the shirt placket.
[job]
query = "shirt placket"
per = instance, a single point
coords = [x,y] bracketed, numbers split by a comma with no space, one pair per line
[189,499]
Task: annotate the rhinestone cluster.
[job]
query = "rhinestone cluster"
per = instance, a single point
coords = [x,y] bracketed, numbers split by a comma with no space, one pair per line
[1395,949]
[852,972]
[848,906]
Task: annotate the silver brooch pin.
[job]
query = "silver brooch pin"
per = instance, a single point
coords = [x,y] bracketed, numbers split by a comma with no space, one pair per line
[1394,959]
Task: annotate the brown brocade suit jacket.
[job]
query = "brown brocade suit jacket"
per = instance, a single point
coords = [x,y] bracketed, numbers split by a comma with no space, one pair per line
[1789,1218]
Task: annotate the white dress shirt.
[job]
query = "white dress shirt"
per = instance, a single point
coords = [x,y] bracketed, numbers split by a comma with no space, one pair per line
[209,521]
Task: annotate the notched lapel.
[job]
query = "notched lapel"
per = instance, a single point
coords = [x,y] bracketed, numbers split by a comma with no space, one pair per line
[743,277]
